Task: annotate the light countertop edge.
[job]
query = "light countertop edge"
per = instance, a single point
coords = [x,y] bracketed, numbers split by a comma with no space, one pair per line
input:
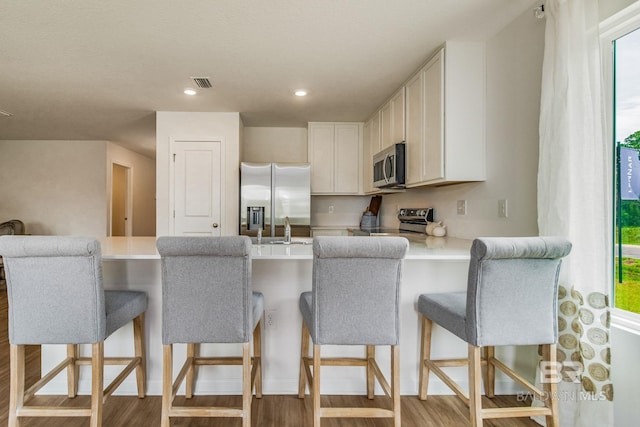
[420,248]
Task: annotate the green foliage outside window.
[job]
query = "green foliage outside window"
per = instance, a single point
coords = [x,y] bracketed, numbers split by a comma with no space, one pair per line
[627,292]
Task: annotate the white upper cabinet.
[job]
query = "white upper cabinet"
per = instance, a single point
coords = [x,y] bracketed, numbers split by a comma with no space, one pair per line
[371,146]
[445,128]
[392,120]
[335,154]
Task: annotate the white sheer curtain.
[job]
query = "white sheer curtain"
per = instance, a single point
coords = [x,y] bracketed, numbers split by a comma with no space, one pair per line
[574,201]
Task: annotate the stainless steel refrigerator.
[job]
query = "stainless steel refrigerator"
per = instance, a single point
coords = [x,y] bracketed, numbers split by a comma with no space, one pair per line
[270,192]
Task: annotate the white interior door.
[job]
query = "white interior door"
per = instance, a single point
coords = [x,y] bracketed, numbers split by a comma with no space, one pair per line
[197,197]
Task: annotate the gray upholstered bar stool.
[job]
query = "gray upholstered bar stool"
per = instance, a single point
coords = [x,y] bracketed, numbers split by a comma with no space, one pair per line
[207,298]
[354,300]
[511,299]
[56,296]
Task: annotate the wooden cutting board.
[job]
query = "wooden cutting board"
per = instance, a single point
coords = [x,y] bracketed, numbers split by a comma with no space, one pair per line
[374,205]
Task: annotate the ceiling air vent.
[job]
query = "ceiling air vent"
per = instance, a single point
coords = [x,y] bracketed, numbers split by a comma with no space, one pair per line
[202,82]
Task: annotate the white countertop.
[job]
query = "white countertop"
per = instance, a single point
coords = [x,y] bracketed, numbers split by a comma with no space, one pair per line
[420,248]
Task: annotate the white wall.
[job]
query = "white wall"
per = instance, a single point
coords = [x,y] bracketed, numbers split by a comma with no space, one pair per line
[514,68]
[608,8]
[274,144]
[143,188]
[347,210]
[212,126]
[55,187]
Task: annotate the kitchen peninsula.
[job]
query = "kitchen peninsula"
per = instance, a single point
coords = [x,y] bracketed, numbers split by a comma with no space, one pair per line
[281,273]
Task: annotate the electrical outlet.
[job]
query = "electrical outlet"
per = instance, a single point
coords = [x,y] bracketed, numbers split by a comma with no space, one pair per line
[462,207]
[270,319]
[503,208]
[331,209]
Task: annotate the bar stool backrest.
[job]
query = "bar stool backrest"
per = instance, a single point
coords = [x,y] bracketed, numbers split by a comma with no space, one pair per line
[206,289]
[356,289]
[512,290]
[55,289]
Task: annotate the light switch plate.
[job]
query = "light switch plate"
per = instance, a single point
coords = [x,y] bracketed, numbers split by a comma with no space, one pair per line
[462,207]
[503,206]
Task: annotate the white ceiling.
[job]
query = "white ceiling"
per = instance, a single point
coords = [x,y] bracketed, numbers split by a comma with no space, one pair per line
[99,69]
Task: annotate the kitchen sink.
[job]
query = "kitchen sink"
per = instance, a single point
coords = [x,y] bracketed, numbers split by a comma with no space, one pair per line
[280,241]
[293,242]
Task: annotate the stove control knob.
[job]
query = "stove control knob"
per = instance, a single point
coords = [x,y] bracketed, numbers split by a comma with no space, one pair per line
[403,212]
[422,212]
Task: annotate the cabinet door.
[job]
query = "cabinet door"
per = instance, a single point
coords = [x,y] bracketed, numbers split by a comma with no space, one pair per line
[433,119]
[347,158]
[415,129]
[397,117]
[371,146]
[386,121]
[392,120]
[321,157]
[376,137]
[367,179]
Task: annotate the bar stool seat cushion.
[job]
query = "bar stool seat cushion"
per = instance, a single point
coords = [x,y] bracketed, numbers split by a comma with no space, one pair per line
[448,310]
[121,307]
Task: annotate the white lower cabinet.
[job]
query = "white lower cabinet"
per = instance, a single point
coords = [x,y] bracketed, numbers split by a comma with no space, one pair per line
[335,154]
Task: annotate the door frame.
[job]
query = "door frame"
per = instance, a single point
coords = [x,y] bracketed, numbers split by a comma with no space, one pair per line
[128,228]
[223,167]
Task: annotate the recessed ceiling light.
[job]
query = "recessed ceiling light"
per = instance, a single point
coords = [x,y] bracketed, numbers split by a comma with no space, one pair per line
[189,92]
[301,92]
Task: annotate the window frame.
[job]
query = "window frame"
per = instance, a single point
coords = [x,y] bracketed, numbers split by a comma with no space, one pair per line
[612,28]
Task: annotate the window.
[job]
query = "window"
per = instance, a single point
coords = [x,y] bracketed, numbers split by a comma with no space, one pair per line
[626,126]
[621,57]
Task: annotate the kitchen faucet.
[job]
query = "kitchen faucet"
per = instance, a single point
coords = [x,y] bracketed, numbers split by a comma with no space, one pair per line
[287,230]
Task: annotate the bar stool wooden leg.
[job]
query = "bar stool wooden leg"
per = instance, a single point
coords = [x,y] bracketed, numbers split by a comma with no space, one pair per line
[97,383]
[193,352]
[257,358]
[141,369]
[304,353]
[246,385]
[490,371]
[475,394]
[73,370]
[167,383]
[551,387]
[16,394]
[395,383]
[425,354]
[371,357]
[316,386]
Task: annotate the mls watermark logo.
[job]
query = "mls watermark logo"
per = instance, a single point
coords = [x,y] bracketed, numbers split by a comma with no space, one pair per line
[555,372]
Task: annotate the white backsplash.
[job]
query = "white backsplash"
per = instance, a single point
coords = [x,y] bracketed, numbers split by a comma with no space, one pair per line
[347,210]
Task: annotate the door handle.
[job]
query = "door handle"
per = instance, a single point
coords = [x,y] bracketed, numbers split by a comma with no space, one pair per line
[384,168]
[215,225]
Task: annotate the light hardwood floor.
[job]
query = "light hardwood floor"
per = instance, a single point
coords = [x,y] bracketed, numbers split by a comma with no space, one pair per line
[270,411]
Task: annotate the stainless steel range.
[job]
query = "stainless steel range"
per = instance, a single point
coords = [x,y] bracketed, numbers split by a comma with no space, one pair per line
[412,220]
[415,220]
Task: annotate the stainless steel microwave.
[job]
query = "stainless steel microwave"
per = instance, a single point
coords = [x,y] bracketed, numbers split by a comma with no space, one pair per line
[388,167]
